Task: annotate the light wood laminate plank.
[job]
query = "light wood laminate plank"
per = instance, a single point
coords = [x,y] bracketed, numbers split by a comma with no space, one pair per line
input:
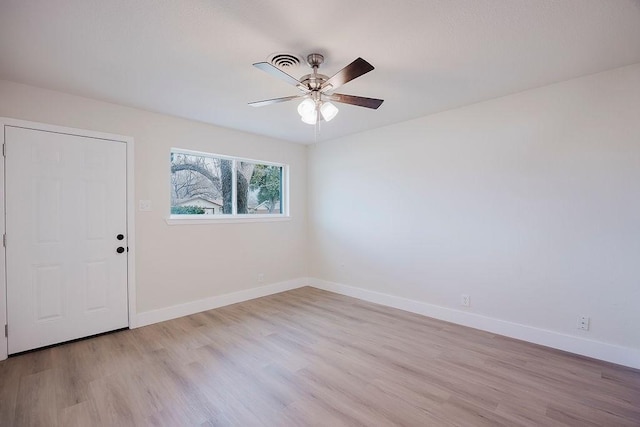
[310,357]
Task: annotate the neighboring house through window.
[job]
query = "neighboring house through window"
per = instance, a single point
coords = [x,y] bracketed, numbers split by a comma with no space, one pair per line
[213,184]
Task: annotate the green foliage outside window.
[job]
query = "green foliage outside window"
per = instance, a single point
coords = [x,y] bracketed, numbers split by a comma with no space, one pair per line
[267,180]
[187,210]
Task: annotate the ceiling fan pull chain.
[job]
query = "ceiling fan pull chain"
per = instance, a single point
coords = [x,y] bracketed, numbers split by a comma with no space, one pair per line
[317,122]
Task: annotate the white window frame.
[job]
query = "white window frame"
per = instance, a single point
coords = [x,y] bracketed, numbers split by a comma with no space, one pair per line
[234,217]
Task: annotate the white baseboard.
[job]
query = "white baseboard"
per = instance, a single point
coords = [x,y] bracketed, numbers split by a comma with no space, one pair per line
[598,350]
[180,310]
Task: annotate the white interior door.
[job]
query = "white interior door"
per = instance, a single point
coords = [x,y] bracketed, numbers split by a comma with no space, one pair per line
[65,209]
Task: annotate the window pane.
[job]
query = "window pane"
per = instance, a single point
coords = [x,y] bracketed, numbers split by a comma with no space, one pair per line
[259,188]
[200,185]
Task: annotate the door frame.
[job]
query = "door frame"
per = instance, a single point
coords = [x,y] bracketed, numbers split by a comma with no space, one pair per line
[131,276]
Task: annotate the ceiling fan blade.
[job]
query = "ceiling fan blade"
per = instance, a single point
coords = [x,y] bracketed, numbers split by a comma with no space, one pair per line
[274,101]
[348,73]
[360,101]
[276,72]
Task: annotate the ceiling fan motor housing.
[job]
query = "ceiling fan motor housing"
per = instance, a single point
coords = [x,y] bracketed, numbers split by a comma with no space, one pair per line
[313,82]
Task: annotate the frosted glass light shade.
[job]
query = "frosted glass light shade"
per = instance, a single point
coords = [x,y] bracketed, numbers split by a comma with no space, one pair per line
[307,107]
[328,111]
[310,119]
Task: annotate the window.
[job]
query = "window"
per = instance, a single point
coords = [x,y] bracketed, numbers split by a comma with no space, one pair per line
[211,186]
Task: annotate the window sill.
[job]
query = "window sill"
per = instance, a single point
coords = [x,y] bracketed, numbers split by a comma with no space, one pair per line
[206,219]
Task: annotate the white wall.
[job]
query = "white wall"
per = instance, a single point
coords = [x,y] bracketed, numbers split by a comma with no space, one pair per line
[529,203]
[184,263]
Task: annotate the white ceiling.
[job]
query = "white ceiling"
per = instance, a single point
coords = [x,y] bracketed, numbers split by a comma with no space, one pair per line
[192,58]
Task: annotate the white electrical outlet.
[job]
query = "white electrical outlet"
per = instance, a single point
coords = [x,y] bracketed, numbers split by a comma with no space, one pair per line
[583,323]
[466,300]
[260,277]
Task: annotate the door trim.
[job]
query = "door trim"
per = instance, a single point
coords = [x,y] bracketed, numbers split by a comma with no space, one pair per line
[131,270]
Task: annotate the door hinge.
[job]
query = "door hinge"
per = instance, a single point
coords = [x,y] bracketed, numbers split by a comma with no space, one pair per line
[6,330]
[4,240]
[4,154]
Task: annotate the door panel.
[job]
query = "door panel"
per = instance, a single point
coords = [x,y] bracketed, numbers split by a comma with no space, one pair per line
[48,292]
[65,205]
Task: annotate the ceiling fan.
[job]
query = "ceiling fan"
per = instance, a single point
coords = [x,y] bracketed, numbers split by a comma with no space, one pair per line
[317,89]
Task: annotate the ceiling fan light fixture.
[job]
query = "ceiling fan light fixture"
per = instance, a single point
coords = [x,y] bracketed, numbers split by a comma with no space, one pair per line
[307,107]
[310,119]
[328,111]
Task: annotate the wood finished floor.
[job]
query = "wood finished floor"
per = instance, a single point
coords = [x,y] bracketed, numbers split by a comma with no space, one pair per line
[309,357]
